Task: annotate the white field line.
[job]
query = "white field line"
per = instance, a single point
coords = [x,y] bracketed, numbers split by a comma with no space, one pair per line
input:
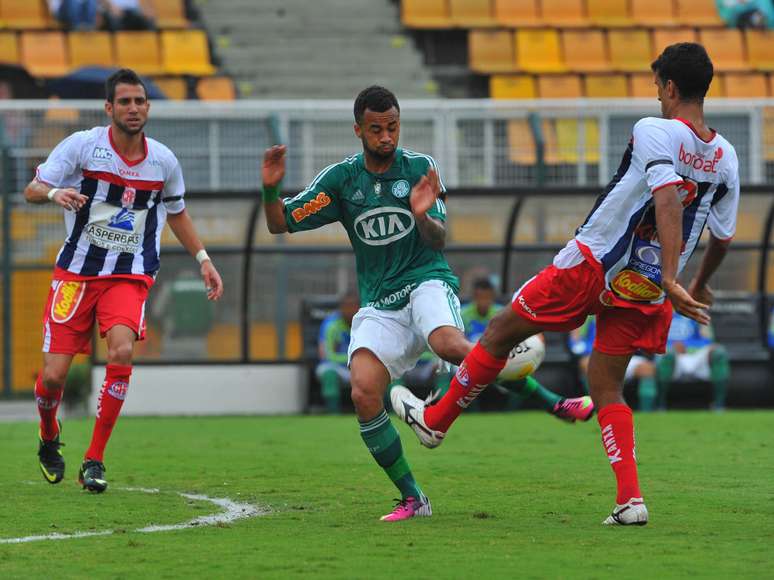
[232,511]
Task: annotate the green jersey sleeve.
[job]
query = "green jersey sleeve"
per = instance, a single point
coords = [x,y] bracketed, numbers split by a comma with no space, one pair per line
[318,204]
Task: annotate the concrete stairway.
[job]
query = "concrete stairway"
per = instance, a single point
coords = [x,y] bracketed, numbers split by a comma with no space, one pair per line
[315,48]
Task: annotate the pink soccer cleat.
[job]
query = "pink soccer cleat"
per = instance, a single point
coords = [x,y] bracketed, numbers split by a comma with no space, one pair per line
[409,508]
[571,410]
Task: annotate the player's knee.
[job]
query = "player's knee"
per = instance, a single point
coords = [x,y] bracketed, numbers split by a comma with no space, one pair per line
[120,353]
[53,379]
[365,399]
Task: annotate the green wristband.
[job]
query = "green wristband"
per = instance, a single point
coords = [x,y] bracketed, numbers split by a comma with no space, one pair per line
[270,193]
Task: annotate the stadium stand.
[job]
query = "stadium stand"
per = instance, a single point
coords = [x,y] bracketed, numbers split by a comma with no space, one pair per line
[760,49]
[185,52]
[215,89]
[426,13]
[584,50]
[564,13]
[90,49]
[537,50]
[653,13]
[471,13]
[9,48]
[139,50]
[175,88]
[559,87]
[697,13]
[170,14]
[491,51]
[512,87]
[726,47]
[517,14]
[608,13]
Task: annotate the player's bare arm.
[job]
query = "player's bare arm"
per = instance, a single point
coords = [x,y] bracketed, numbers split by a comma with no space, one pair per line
[423,195]
[183,228]
[713,256]
[38,193]
[669,214]
[272,172]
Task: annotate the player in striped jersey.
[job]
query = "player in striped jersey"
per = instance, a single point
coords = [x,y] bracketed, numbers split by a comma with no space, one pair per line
[117,189]
[676,176]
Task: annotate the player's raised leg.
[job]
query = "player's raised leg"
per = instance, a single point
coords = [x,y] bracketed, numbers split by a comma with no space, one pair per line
[120,343]
[369,382]
[49,388]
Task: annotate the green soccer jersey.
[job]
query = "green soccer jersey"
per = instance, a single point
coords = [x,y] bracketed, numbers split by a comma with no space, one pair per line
[391,257]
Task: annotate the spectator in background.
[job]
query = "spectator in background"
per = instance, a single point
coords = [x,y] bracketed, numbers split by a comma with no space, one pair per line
[126,15]
[640,368]
[332,371]
[693,355]
[75,14]
[747,13]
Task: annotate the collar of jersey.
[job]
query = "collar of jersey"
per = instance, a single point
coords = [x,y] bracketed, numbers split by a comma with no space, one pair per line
[394,172]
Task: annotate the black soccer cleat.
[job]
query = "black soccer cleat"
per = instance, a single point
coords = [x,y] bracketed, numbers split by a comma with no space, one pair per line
[50,459]
[92,476]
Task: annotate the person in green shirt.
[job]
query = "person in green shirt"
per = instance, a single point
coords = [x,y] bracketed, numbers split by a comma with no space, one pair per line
[391,203]
[333,341]
[475,316]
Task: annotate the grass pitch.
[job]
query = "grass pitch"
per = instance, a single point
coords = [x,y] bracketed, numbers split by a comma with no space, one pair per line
[515,495]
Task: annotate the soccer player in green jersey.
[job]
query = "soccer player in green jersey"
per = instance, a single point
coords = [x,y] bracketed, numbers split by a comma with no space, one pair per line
[389,201]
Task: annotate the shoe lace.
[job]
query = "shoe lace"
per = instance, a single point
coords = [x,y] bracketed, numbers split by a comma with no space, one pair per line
[50,449]
[94,468]
[400,503]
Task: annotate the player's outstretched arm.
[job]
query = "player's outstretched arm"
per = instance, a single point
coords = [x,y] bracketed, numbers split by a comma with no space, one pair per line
[423,195]
[37,192]
[183,228]
[272,172]
[669,223]
[713,257]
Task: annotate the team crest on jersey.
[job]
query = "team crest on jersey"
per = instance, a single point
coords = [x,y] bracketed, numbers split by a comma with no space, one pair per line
[123,220]
[128,197]
[383,225]
[401,188]
[66,300]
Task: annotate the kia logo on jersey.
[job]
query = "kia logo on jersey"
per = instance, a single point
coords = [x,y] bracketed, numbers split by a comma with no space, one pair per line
[698,162]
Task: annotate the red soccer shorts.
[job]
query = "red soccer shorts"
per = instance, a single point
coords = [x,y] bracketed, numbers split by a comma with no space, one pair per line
[72,307]
[560,299]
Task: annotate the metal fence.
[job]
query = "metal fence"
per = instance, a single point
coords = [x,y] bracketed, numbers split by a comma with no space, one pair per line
[219,147]
[477,143]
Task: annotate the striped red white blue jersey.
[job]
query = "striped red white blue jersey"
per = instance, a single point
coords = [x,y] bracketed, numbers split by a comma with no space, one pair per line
[620,232]
[117,232]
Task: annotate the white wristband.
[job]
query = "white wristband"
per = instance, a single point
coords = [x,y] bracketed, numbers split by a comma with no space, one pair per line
[202,255]
[51,193]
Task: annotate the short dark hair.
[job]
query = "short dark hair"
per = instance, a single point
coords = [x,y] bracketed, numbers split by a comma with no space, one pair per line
[377,99]
[483,283]
[688,65]
[122,76]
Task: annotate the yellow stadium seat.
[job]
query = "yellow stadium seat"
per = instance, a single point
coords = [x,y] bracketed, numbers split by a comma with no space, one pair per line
[663,37]
[746,85]
[653,13]
[768,133]
[174,88]
[725,48]
[568,140]
[537,50]
[512,87]
[564,13]
[215,89]
[584,50]
[44,54]
[642,86]
[9,48]
[606,86]
[608,13]
[490,51]
[760,49]
[521,143]
[425,13]
[139,51]
[550,142]
[630,50]
[90,49]
[717,87]
[170,14]
[185,52]
[471,13]
[24,14]
[559,87]
[697,13]
[517,13]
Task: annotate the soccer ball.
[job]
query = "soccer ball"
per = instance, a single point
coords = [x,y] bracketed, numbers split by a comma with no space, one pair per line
[524,359]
